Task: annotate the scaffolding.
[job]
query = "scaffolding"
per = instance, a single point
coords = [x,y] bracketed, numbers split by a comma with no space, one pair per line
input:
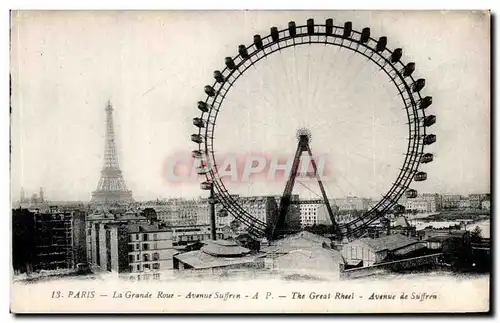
[68,226]
[54,241]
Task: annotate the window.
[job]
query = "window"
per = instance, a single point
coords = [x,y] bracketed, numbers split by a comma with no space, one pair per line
[137,237]
[146,266]
[145,236]
[146,257]
[138,257]
[145,246]
[130,258]
[156,276]
[155,246]
[156,256]
[131,268]
[130,247]
[155,236]
[156,266]
[136,246]
[138,267]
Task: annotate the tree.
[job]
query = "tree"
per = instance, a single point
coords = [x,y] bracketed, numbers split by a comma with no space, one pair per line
[476,234]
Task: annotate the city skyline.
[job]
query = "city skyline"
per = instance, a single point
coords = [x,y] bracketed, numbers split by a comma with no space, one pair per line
[28,196]
[153,115]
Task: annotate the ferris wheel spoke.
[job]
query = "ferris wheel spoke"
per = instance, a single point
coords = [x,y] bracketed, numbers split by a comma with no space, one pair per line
[268,70]
[285,94]
[381,161]
[324,84]
[308,84]
[296,82]
[272,104]
[318,79]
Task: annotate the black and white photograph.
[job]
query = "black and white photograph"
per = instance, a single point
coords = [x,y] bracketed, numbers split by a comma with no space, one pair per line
[250,161]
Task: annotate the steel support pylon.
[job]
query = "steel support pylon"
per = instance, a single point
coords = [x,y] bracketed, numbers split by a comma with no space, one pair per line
[285,202]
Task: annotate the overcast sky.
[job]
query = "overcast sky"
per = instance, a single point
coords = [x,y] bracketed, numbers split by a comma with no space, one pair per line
[153,66]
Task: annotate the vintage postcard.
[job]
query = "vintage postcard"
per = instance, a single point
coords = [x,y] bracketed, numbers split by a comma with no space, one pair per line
[250,161]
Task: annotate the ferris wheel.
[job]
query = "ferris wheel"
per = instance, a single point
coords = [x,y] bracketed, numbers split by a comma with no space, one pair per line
[412,103]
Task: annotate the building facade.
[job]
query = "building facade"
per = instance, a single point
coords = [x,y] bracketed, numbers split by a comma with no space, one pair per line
[309,214]
[417,204]
[182,212]
[434,200]
[96,221]
[464,204]
[352,203]
[477,199]
[140,251]
[193,212]
[184,235]
[450,201]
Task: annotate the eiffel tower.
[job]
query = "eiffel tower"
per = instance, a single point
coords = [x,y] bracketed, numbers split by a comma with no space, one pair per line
[111,189]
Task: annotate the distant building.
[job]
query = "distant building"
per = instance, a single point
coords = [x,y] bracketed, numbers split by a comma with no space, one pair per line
[450,201]
[192,212]
[33,202]
[188,234]
[477,199]
[435,201]
[486,205]
[367,251]
[352,203]
[464,204]
[425,234]
[263,208]
[423,203]
[417,204]
[309,214]
[48,240]
[181,212]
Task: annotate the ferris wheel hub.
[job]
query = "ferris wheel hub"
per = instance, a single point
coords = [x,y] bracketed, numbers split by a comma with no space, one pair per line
[304,135]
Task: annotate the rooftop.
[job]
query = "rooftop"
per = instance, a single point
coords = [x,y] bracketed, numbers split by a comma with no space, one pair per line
[201,260]
[138,228]
[391,242]
[301,240]
[315,258]
[438,239]
[224,248]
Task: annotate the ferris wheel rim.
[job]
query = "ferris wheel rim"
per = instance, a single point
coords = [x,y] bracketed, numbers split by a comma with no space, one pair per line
[415,148]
